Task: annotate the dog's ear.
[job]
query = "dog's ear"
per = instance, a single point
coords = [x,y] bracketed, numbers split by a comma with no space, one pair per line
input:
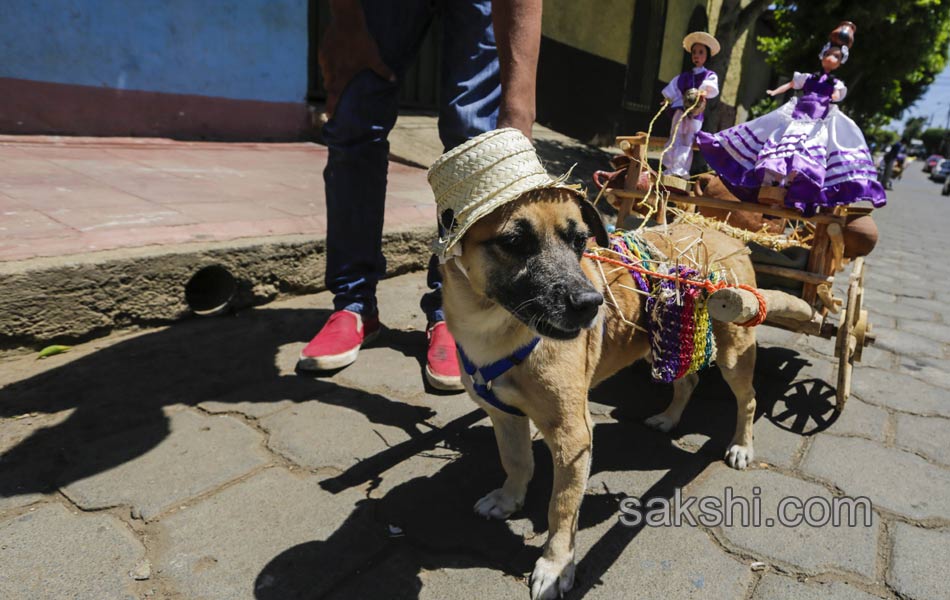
[593,220]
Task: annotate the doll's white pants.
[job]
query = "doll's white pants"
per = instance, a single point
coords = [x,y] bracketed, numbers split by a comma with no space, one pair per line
[679,153]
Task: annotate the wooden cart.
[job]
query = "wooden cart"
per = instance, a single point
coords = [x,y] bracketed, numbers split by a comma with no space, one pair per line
[826,259]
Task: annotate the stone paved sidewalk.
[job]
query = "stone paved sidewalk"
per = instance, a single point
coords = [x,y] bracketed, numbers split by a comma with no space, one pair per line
[190,462]
[62,196]
[65,196]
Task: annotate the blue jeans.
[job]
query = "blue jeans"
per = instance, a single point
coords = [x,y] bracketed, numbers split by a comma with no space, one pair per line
[357,135]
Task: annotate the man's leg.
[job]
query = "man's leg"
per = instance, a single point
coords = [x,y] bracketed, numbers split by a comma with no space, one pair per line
[471,77]
[470,96]
[355,176]
[357,139]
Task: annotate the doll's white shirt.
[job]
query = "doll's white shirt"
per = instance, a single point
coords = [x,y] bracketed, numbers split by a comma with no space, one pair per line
[711,85]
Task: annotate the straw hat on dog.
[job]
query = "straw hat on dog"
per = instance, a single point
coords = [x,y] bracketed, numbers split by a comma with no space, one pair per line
[701,37]
[473,179]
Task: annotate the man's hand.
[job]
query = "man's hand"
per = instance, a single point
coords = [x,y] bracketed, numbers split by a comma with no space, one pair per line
[346,49]
[512,117]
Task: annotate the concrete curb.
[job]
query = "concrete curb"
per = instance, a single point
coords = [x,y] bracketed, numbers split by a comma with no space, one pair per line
[76,298]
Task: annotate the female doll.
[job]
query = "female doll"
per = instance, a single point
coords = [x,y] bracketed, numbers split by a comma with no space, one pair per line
[813,151]
[681,93]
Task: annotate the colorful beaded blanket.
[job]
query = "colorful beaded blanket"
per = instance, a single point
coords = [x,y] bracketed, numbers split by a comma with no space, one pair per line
[678,324]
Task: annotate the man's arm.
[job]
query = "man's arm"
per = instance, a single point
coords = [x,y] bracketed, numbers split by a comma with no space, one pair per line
[517,26]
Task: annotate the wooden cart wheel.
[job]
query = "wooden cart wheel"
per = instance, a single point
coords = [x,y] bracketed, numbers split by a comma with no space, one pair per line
[862,326]
[852,333]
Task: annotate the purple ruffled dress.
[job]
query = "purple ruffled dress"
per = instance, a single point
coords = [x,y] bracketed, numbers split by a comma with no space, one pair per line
[808,145]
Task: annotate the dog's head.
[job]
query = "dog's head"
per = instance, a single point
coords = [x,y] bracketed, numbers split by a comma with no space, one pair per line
[526,257]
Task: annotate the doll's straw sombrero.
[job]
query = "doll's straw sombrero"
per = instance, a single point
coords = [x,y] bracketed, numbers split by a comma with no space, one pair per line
[701,37]
[486,172]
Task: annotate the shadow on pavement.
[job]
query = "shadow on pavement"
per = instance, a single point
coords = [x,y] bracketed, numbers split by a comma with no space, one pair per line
[434,514]
[802,406]
[558,157]
[117,394]
[438,525]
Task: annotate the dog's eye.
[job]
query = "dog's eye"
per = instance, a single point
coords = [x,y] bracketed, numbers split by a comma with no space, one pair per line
[580,241]
[514,243]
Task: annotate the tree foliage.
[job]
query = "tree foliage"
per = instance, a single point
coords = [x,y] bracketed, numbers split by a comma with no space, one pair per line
[913,128]
[934,139]
[735,18]
[879,138]
[900,47]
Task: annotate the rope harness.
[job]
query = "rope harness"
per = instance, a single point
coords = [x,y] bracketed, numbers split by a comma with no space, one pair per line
[633,249]
[707,285]
[678,322]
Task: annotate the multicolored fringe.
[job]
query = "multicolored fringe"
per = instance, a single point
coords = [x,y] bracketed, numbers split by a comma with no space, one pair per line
[681,340]
[632,250]
[681,337]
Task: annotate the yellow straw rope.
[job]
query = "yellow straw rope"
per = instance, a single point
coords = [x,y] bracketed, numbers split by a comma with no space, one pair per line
[655,184]
[646,163]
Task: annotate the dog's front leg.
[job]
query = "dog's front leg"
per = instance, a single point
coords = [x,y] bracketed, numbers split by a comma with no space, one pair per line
[513,435]
[570,441]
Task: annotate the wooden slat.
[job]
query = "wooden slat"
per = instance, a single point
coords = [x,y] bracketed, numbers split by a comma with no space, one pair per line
[793,274]
[624,142]
[750,207]
[633,140]
[816,260]
[815,327]
[630,194]
[836,237]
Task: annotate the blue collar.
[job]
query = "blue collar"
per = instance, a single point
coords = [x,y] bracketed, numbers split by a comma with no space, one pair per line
[482,383]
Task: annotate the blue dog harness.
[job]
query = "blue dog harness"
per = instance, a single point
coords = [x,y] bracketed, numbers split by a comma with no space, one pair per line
[482,377]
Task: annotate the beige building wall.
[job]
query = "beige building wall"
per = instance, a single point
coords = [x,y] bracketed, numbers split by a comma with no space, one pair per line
[678,13]
[712,9]
[601,28]
[729,89]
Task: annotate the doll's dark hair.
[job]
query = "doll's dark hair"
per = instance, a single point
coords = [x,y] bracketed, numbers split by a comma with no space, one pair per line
[843,50]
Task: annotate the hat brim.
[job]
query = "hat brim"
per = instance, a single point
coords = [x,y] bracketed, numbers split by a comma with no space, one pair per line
[701,37]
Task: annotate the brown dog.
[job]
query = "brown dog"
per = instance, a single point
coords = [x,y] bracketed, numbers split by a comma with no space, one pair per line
[521,275]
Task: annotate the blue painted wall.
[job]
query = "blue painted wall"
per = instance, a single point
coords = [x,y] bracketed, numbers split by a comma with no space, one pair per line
[238,49]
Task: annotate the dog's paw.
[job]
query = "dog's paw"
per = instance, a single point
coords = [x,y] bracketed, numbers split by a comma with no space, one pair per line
[498,505]
[661,422]
[549,580]
[739,457]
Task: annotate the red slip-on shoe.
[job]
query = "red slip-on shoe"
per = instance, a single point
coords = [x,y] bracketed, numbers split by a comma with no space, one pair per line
[338,342]
[442,365]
